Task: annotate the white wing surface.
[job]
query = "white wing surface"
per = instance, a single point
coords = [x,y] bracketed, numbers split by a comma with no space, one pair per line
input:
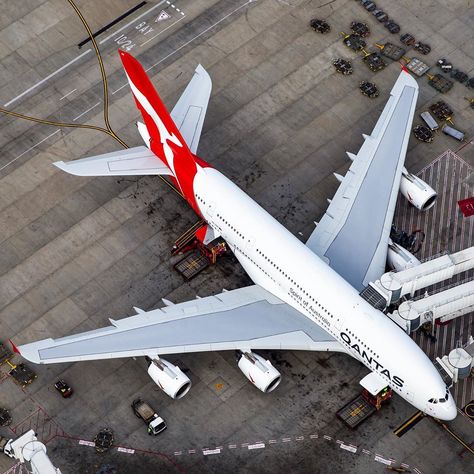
[190,110]
[352,237]
[246,318]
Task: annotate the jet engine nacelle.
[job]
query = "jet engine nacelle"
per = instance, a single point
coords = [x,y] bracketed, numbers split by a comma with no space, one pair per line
[259,371]
[420,194]
[169,378]
[399,258]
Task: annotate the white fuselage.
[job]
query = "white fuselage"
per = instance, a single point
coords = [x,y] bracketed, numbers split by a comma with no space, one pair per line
[276,260]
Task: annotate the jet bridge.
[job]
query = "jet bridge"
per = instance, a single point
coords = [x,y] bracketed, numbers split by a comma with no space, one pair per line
[443,306]
[392,286]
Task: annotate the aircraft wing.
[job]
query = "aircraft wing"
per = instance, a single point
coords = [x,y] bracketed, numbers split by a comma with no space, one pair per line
[352,237]
[246,318]
[190,110]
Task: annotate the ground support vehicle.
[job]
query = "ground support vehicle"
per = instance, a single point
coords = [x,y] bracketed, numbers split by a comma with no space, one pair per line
[143,410]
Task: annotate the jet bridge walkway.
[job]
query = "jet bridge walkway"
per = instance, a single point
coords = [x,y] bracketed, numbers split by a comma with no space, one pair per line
[443,307]
[392,286]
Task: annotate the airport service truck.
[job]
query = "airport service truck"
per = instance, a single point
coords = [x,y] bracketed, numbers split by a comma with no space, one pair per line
[143,410]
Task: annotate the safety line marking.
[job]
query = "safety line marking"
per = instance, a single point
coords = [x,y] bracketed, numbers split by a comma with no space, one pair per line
[85,111]
[46,78]
[352,448]
[29,149]
[158,34]
[256,446]
[69,93]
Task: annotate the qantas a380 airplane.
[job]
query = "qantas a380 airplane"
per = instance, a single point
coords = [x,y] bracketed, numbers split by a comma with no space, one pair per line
[305,296]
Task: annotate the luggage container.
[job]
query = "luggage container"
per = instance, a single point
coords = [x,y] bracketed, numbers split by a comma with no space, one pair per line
[417,67]
[429,120]
[452,132]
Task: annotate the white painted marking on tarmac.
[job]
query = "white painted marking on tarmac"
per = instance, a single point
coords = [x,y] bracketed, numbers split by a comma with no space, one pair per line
[382,460]
[286,440]
[162,16]
[83,442]
[125,450]
[33,87]
[85,112]
[313,436]
[348,447]
[208,452]
[366,451]
[329,438]
[191,40]
[69,93]
[131,22]
[256,446]
[29,149]
[299,438]
[232,446]
[272,441]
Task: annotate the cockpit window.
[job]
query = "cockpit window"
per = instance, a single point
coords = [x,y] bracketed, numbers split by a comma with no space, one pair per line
[434,401]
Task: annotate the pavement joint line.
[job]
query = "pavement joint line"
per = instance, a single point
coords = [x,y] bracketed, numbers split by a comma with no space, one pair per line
[69,93]
[131,22]
[34,86]
[85,111]
[248,2]
[29,149]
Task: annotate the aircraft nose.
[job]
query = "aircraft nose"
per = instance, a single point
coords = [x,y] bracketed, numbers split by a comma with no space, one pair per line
[449,411]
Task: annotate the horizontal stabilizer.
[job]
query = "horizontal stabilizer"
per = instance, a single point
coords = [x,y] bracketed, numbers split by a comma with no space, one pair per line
[190,110]
[130,162]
